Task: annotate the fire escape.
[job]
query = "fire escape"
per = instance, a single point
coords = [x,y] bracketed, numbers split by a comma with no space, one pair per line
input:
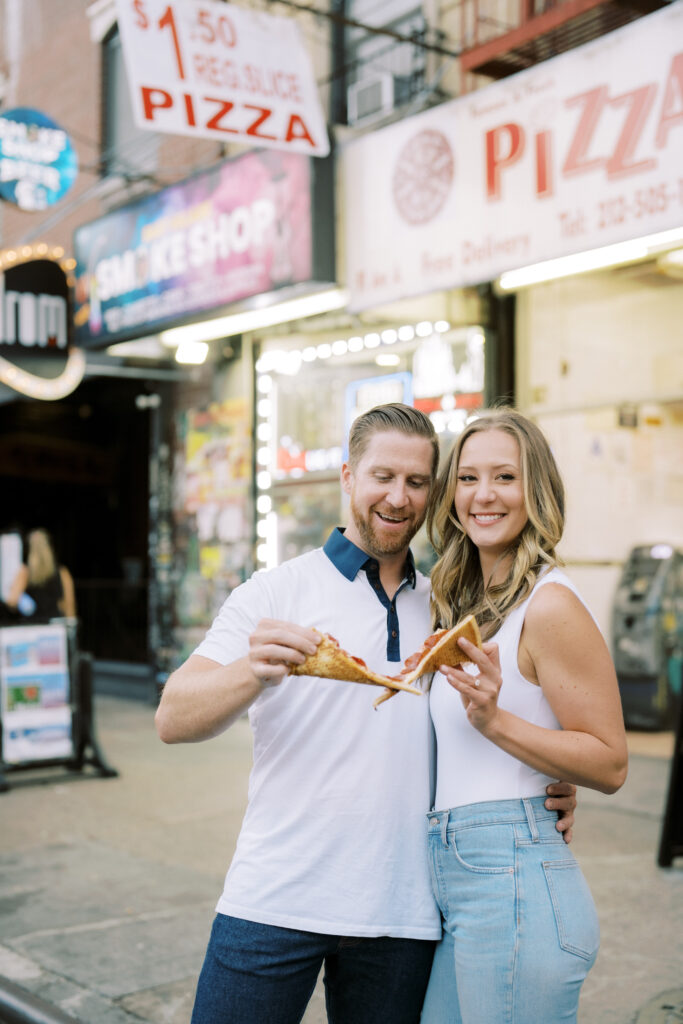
[500,38]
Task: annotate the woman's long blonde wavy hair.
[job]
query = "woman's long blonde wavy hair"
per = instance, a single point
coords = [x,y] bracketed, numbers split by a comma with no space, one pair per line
[458,587]
[41,557]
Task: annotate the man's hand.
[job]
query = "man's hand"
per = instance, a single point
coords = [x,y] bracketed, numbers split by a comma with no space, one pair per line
[202,698]
[274,646]
[562,798]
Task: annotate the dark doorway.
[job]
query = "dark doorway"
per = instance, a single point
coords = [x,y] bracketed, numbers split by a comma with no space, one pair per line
[79,467]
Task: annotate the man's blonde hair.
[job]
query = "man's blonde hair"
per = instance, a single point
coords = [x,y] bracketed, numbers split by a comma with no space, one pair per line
[393,416]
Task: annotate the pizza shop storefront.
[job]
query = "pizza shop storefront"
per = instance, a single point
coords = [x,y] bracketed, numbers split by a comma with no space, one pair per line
[573,208]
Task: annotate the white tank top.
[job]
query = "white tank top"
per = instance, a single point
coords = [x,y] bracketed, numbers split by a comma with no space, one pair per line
[469,767]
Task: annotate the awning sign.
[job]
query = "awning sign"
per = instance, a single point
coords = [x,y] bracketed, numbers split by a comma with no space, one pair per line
[213,70]
[38,164]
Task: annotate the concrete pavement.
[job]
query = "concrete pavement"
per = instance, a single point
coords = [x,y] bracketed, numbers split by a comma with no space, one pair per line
[107,886]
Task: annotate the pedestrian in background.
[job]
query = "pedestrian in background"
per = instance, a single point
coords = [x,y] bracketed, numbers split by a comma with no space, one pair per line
[42,589]
[540,703]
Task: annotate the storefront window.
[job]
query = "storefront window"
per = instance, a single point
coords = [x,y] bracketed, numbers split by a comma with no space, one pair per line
[308,398]
[305,514]
[127,149]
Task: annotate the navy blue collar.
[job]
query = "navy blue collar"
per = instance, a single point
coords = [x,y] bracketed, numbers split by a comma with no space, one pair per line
[348,558]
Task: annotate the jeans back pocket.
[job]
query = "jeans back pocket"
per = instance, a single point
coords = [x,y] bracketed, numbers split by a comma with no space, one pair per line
[575,914]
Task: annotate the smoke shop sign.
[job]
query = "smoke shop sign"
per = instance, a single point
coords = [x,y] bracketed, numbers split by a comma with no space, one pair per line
[38,164]
[33,309]
[240,229]
[580,151]
[214,70]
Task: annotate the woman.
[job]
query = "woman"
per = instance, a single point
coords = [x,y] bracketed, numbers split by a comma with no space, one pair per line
[49,587]
[539,703]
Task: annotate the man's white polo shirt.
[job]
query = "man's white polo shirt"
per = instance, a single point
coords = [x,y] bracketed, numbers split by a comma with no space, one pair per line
[334,836]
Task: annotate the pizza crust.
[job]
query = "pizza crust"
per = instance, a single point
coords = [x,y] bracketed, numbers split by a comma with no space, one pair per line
[331,661]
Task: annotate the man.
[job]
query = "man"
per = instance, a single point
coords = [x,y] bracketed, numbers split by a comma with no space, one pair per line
[331,863]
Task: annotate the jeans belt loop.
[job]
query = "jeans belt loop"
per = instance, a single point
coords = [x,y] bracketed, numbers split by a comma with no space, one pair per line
[444,826]
[531,819]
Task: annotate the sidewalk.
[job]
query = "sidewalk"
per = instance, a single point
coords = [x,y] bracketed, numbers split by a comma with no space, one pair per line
[108,886]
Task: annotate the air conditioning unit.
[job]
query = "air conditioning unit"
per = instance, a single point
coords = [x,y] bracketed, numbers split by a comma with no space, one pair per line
[370,98]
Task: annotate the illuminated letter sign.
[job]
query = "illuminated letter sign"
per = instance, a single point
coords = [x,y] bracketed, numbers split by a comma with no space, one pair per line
[35,325]
[34,308]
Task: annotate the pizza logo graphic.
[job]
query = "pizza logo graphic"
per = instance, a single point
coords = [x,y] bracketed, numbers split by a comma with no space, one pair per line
[423,176]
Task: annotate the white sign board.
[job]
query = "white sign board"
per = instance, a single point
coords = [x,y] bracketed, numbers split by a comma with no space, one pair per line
[10,561]
[212,70]
[581,151]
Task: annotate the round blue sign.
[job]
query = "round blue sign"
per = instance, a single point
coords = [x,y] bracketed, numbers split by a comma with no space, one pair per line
[38,164]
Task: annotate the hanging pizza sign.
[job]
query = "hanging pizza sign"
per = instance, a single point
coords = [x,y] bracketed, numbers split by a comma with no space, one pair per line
[221,71]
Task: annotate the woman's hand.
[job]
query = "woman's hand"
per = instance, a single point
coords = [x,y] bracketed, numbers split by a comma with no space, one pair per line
[479,692]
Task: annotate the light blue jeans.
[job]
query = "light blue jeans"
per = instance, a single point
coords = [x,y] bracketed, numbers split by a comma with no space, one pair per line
[520,927]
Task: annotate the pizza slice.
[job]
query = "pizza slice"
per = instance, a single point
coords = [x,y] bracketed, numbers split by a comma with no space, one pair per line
[442,648]
[330,661]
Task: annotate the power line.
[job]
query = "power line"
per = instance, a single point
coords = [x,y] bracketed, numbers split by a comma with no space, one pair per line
[341,19]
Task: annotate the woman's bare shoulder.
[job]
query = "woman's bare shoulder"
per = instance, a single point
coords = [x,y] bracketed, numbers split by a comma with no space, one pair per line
[555,613]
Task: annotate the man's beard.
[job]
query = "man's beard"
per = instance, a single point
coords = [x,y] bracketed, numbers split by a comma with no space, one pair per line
[382,546]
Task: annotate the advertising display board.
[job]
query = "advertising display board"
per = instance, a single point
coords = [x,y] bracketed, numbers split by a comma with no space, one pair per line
[581,151]
[222,72]
[35,694]
[241,229]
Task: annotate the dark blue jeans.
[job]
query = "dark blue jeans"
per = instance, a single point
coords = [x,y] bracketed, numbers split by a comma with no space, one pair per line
[262,974]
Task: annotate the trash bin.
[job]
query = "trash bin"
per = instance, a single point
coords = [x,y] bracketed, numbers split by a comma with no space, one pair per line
[647,635]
